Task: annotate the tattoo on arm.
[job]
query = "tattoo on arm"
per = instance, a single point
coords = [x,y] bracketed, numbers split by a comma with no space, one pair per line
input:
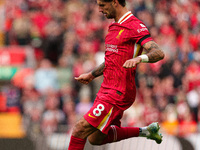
[98,71]
[153,51]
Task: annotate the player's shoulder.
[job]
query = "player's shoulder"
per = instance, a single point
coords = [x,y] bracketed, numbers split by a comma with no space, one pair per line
[135,25]
[134,22]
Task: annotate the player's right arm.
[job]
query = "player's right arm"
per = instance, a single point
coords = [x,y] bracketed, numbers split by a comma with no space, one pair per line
[88,77]
[98,71]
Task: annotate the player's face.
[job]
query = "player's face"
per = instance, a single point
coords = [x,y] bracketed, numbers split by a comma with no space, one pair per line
[106,8]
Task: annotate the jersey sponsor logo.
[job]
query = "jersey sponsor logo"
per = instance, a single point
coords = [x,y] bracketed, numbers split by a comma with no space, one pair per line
[92,116]
[142,25]
[144,28]
[111,48]
[119,34]
[141,30]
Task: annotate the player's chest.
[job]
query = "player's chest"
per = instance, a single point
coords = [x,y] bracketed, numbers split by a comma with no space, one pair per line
[117,36]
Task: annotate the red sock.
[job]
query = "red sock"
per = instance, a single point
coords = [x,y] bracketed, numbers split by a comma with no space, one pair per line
[76,143]
[119,133]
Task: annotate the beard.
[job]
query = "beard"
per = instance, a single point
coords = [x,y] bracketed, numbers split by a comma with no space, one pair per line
[111,14]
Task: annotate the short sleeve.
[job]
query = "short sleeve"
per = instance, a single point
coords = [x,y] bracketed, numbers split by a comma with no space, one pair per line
[140,33]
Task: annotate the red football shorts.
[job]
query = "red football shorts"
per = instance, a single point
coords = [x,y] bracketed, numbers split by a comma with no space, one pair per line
[102,115]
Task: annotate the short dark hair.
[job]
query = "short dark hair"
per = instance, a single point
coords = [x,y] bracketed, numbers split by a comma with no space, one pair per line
[121,2]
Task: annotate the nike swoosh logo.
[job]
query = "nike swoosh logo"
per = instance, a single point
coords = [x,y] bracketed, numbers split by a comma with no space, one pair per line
[92,116]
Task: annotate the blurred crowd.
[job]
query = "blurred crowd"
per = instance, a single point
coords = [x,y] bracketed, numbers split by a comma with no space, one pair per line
[68,39]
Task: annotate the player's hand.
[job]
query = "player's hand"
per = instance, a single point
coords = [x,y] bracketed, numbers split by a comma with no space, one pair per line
[85,78]
[131,63]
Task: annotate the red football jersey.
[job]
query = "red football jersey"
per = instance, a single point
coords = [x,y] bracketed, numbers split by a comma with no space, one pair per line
[123,42]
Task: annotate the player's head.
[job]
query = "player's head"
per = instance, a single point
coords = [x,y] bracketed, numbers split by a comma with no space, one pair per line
[108,7]
[121,2]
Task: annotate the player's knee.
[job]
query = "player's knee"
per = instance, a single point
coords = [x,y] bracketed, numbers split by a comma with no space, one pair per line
[80,129]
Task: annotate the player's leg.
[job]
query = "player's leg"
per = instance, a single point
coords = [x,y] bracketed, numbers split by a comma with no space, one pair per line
[116,134]
[97,138]
[108,124]
[80,132]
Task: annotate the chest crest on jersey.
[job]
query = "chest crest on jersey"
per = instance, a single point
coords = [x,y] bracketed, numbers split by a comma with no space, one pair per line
[119,34]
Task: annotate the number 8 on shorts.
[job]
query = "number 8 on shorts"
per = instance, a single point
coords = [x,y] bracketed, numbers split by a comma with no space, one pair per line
[97,111]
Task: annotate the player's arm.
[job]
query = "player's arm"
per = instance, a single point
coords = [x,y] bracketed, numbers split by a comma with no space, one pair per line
[88,77]
[98,71]
[154,54]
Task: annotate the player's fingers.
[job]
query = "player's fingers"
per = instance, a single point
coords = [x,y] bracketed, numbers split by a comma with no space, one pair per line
[125,64]
[77,78]
[129,64]
[132,65]
[82,81]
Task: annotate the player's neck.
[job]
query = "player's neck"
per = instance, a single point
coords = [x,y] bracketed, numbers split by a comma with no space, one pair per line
[120,12]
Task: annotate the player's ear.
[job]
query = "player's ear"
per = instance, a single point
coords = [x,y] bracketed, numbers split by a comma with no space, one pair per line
[115,2]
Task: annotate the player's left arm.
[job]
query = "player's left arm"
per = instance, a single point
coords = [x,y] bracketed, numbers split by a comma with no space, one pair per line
[154,54]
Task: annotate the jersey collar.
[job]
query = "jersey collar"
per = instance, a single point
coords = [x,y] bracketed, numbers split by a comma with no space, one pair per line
[125,17]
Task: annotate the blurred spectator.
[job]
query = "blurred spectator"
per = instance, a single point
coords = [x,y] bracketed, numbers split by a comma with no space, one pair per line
[46,77]
[193,99]
[133,116]
[33,105]
[21,29]
[85,102]
[66,91]
[168,88]
[52,115]
[150,113]
[70,114]
[53,43]
[64,72]
[177,73]
[188,125]
[170,121]
[192,75]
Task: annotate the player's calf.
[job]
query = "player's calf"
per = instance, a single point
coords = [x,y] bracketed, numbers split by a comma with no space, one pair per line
[97,138]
